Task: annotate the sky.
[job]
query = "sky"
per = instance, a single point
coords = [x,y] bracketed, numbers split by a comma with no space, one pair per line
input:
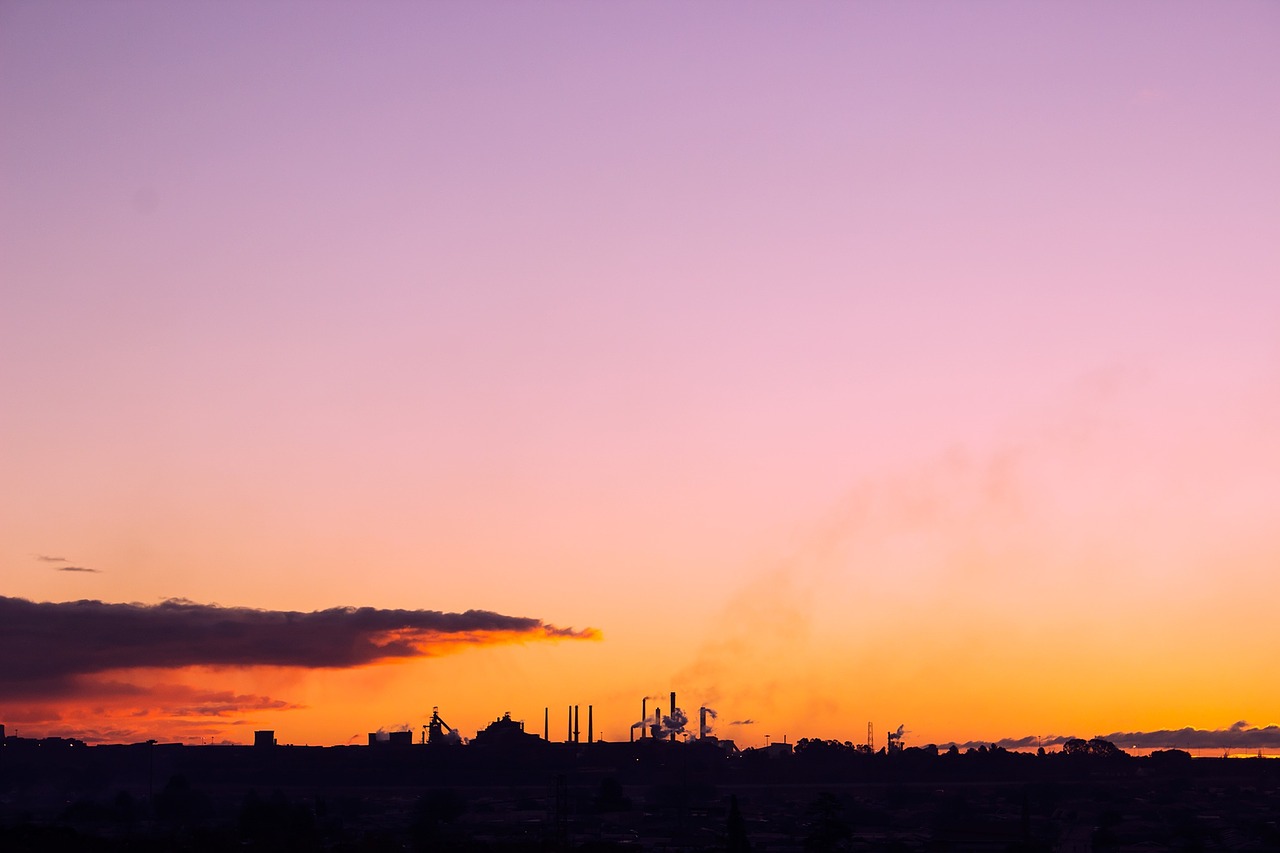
[827,363]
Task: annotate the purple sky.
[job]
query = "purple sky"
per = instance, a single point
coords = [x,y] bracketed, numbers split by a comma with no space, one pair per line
[608,313]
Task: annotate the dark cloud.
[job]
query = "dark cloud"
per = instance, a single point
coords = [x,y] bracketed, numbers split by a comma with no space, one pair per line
[743,723]
[76,569]
[1028,742]
[45,648]
[1239,735]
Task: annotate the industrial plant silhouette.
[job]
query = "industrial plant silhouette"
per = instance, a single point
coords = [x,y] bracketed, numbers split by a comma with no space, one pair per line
[664,788]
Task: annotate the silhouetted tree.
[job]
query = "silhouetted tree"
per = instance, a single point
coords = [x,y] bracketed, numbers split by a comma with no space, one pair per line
[610,797]
[125,808]
[1099,747]
[1105,748]
[433,813]
[1170,758]
[828,831]
[178,802]
[737,830]
[275,823]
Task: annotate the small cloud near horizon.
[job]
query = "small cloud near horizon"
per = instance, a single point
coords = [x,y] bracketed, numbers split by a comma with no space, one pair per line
[743,723]
[45,558]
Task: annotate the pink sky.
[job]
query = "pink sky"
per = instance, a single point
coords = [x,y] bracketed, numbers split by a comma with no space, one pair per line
[906,362]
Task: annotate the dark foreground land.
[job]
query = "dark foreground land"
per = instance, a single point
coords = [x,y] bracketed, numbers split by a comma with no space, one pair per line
[60,795]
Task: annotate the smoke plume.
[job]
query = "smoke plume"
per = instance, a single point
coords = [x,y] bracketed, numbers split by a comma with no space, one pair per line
[674,724]
[704,730]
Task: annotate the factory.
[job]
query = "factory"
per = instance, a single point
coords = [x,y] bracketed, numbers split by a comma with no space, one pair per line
[667,723]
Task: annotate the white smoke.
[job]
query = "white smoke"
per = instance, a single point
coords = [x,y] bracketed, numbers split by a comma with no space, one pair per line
[675,724]
[704,730]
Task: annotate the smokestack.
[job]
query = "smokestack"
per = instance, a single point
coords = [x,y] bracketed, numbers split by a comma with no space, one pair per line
[702,723]
[591,730]
[673,713]
[568,738]
[644,713]
[546,722]
[576,731]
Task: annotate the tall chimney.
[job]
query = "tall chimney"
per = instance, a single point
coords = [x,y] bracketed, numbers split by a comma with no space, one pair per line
[591,730]
[702,723]
[575,724]
[568,738]
[673,711]
[546,722]
[644,715]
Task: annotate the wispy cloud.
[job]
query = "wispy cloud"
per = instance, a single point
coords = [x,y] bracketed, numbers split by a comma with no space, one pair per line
[47,649]
[113,699]
[743,723]
[45,558]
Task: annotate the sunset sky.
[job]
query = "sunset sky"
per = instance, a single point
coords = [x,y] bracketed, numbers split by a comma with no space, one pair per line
[915,363]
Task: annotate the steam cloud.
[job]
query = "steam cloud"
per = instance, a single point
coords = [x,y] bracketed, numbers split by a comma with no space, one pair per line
[1239,735]
[671,725]
[45,647]
[674,724]
[704,730]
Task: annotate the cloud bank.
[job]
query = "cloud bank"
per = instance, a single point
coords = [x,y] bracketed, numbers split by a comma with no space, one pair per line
[46,648]
[1239,735]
